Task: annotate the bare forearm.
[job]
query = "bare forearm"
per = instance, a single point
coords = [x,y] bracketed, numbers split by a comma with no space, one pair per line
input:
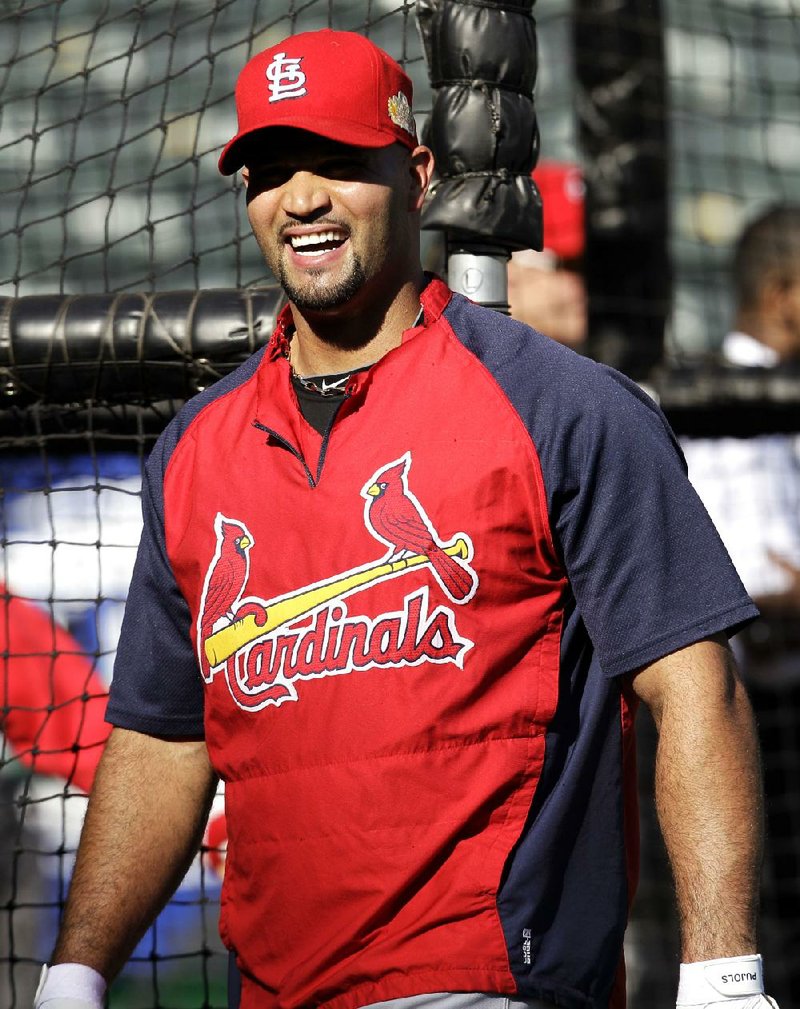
[143,826]
[708,795]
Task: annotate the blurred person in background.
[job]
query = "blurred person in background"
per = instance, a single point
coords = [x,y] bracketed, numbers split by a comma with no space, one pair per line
[751,487]
[52,715]
[546,289]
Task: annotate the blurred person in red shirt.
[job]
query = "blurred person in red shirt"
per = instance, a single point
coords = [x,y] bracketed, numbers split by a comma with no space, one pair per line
[52,703]
[52,714]
[546,289]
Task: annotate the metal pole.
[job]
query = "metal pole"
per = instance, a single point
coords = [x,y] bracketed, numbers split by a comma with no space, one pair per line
[480,274]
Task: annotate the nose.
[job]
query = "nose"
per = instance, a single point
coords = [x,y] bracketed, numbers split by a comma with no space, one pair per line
[305,194]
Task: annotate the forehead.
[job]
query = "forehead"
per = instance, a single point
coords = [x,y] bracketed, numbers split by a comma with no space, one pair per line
[282,145]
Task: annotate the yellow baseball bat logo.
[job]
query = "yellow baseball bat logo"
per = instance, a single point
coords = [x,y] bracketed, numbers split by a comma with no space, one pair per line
[222,644]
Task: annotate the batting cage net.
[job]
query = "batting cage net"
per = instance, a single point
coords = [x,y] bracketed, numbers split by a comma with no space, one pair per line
[129,281]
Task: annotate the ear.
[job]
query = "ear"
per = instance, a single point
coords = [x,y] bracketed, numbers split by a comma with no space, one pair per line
[421,165]
[246,176]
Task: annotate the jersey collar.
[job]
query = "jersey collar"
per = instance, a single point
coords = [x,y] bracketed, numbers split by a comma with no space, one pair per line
[433,300]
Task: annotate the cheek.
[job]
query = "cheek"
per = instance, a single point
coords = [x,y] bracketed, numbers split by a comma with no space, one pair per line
[794,301]
[376,204]
[391,221]
[260,213]
[253,216]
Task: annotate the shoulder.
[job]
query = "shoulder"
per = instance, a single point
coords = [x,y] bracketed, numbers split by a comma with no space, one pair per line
[198,408]
[555,390]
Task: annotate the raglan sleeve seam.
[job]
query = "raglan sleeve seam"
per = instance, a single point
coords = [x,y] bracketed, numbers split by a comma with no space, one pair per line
[531,448]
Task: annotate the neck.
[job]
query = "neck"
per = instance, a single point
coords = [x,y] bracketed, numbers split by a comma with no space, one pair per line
[355,335]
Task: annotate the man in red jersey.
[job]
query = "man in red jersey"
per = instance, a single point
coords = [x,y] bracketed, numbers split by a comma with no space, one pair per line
[403,579]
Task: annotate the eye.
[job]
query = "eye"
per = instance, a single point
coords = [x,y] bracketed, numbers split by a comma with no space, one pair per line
[342,167]
[269,176]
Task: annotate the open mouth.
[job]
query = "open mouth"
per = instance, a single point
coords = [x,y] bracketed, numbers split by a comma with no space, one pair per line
[316,244]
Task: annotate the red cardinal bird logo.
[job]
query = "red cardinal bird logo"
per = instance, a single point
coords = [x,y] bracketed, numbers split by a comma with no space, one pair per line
[226,578]
[395,516]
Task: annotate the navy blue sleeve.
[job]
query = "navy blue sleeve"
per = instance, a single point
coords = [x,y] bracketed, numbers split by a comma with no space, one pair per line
[157,687]
[647,568]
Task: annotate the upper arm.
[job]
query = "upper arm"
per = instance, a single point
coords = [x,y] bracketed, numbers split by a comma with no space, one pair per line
[646,567]
[143,764]
[692,682]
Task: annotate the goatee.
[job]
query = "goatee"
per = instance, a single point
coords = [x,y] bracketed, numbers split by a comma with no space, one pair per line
[316,299]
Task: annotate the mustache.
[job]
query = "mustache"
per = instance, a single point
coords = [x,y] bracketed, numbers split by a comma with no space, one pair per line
[320,222]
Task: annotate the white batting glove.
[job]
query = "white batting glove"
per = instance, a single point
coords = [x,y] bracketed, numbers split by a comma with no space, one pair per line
[733,982]
[70,986]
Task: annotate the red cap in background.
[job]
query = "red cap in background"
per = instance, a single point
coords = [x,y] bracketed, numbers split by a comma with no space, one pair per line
[562,189]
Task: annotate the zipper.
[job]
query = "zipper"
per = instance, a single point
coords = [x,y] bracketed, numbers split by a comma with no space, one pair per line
[313,481]
[326,436]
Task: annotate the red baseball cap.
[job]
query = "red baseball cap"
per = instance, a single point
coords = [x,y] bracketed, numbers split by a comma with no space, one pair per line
[562,189]
[338,85]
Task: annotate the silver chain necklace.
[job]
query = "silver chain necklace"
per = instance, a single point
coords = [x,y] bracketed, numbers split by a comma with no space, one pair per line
[334,388]
[339,384]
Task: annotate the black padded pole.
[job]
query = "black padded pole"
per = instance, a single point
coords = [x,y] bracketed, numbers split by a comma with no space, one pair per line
[482,130]
[620,68]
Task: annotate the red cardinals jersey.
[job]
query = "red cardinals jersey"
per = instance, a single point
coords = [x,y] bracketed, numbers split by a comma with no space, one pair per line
[405,642]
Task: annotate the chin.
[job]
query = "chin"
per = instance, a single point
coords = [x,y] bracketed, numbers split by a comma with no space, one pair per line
[322,297]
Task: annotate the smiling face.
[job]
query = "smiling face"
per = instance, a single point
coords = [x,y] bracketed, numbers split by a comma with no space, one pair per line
[335,223]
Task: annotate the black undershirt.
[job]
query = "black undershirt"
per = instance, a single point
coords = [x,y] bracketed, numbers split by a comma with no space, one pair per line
[317,409]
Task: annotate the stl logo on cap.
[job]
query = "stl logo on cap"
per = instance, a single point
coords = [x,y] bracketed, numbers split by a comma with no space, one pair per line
[400,113]
[286,79]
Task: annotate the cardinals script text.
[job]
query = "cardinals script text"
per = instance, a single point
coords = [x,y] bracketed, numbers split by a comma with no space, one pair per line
[264,653]
[334,643]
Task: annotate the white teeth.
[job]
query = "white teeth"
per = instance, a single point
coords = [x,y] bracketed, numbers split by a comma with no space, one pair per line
[318,238]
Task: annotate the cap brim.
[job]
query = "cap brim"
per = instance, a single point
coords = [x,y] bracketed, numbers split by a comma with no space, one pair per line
[354,134]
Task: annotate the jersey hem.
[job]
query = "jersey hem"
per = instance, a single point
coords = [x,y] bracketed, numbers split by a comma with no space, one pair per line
[400,985]
[409,985]
[730,620]
[155,726]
